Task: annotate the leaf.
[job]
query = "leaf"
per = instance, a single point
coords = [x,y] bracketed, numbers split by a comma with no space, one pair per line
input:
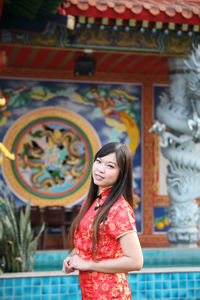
[17,245]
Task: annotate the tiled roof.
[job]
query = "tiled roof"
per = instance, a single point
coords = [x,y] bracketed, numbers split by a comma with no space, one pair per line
[186,8]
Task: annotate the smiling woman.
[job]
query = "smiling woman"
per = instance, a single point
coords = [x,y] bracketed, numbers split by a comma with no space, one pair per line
[103,235]
[105,171]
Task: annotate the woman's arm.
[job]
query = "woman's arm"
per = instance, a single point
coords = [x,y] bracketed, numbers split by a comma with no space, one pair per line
[132,260]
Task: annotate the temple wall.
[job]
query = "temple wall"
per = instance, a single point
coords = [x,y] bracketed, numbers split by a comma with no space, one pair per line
[150,187]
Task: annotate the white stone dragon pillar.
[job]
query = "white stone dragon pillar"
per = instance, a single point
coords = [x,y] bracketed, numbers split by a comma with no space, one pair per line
[178,125]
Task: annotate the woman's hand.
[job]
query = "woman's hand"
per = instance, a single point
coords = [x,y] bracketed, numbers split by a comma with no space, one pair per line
[66,266]
[78,263]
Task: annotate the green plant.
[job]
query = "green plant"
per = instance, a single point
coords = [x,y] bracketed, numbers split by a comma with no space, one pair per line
[18,245]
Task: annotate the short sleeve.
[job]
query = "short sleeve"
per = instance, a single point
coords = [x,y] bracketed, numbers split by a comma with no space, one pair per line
[121,220]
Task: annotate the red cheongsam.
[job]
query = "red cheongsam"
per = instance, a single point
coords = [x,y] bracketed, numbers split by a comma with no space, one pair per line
[120,220]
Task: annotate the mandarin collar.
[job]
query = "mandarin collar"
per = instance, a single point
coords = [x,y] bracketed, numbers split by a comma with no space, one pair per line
[105,192]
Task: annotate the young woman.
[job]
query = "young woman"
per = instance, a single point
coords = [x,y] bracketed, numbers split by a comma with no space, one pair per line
[103,236]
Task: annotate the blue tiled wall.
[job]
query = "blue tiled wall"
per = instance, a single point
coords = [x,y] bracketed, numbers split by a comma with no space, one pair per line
[154,282]
[183,285]
[168,285]
[153,258]
[40,288]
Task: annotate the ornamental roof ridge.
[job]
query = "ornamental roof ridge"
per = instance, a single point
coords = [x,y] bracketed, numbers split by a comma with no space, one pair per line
[187,8]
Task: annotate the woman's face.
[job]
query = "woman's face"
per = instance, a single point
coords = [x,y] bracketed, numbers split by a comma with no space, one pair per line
[105,171]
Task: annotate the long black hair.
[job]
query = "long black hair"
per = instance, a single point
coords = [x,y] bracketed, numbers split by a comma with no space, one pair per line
[122,186]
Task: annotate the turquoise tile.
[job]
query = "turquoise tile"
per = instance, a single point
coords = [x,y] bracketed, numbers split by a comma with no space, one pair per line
[18,282]
[158,276]
[1,293]
[73,279]
[166,285]
[2,282]
[27,281]
[150,294]
[190,275]
[158,285]
[182,284]
[182,276]
[36,281]
[174,276]
[65,280]
[141,277]
[132,278]
[191,293]
[45,290]
[166,294]
[36,290]
[149,285]
[9,282]
[64,289]
[55,280]
[157,295]
[197,283]
[55,289]
[197,276]
[73,289]
[8,291]
[166,276]
[183,293]
[174,284]
[26,290]
[174,293]
[45,280]
[197,293]
[150,276]
[190,284]
[141,286]
[18,291]
[141,295]
[134,294]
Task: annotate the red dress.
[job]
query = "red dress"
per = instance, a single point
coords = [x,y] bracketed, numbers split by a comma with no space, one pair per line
[120,220]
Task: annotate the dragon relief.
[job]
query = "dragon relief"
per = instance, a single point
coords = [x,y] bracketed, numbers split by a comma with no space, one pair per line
[52,156]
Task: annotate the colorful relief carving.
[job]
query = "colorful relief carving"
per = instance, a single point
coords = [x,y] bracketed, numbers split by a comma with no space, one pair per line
[146,41]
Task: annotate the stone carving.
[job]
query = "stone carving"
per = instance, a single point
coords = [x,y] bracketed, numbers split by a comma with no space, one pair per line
[178,125]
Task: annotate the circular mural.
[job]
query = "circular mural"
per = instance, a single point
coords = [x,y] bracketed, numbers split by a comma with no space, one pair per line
[54,150]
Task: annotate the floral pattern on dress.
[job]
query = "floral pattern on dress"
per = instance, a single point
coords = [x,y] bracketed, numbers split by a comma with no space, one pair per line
[120,220]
